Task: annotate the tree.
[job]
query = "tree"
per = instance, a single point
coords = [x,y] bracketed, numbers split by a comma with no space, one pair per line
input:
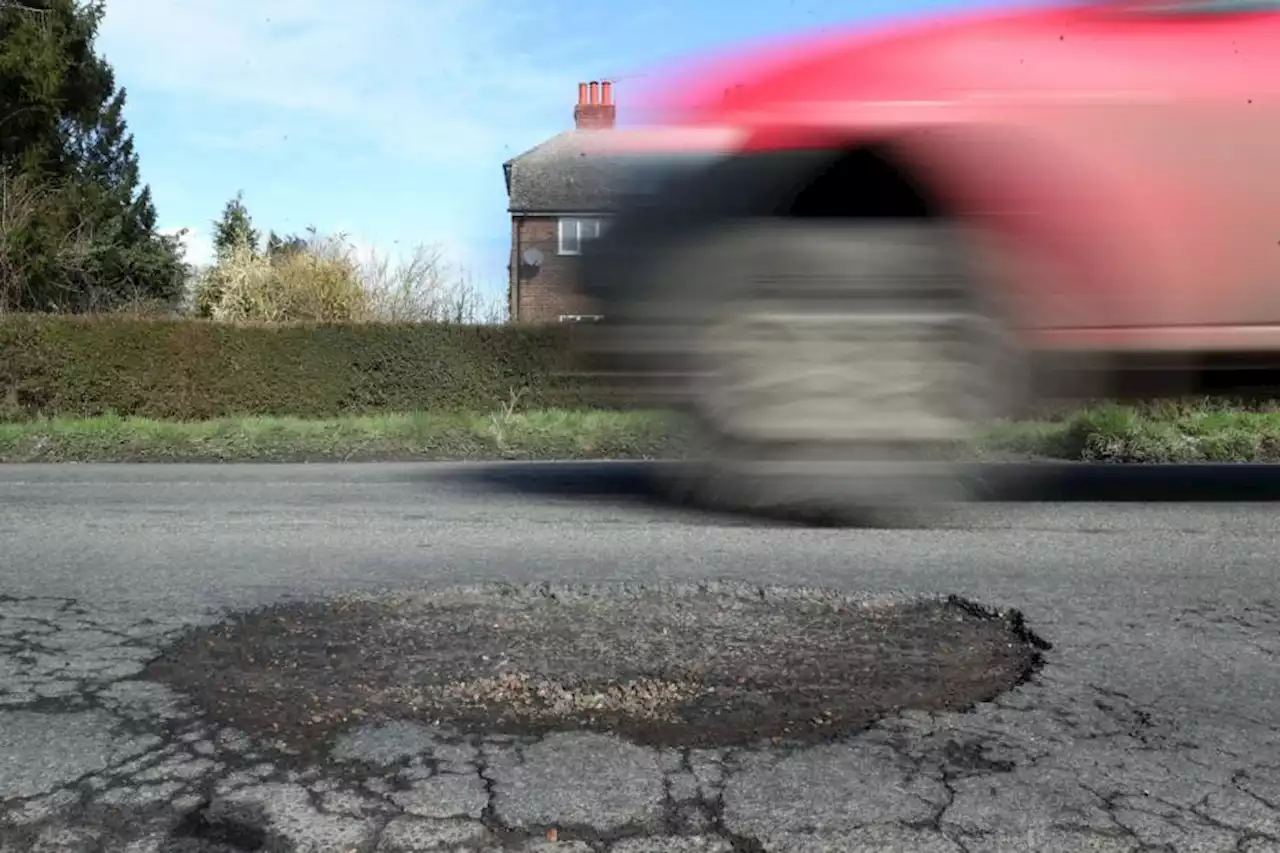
[235,228]
[87,237]
[279,247]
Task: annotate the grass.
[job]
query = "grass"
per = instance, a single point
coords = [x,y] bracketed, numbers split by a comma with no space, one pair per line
[427,436]
[1194,431]
[1162,432]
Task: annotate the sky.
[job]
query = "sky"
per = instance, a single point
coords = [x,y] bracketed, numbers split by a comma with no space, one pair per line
[389,120]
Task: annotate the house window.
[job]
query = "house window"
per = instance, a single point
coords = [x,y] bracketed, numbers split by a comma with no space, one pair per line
[575,231]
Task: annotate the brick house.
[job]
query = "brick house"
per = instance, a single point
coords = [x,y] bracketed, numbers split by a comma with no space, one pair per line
[559,196]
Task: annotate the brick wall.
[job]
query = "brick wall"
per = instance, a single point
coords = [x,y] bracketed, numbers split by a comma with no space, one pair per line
[546,292]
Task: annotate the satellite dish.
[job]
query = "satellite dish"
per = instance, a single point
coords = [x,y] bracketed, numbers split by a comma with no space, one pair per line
[532,257]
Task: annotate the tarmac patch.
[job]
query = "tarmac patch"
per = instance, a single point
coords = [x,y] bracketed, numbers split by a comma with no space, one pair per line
[698,665]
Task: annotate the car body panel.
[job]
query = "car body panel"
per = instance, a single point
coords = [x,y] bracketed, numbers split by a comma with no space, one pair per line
[1117,165]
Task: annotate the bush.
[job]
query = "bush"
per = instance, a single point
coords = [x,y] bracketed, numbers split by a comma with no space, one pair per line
[189,369]
[323,279]
[60,252]
[316,285]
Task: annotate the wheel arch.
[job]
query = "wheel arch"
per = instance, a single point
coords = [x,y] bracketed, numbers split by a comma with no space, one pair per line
[868,179]
[1035,217]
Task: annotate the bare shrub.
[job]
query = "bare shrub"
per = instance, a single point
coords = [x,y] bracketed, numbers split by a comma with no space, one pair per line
[20,198]
[426,288]
[321,283]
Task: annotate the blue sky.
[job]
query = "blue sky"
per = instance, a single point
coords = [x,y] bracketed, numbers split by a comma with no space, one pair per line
[389,119]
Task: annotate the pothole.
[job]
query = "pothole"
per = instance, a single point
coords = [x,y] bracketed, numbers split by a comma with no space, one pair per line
[677,665]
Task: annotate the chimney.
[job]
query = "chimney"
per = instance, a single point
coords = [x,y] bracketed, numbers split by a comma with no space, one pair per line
[596,109]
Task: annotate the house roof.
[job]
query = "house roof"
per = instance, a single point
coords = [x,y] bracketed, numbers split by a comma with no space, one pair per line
[565,174]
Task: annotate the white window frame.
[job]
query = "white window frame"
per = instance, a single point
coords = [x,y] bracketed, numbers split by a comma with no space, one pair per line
[583,228]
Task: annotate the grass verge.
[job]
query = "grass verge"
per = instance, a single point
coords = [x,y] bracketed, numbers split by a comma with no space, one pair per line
[1202,431]
[417,436]
[1199,431]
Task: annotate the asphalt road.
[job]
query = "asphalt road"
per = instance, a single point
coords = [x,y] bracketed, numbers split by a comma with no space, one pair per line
[1154,724]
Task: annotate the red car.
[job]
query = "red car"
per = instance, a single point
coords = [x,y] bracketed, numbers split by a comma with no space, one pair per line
[841,254]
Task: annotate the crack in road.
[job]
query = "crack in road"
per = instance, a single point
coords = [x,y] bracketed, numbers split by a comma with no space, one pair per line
[121,764]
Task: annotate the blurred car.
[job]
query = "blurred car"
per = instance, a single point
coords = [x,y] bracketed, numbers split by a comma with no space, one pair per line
[843,253]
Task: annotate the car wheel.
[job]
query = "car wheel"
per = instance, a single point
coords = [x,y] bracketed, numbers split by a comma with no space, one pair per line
[829,369]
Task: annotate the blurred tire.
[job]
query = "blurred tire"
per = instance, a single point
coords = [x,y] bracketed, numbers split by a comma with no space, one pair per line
[829,369]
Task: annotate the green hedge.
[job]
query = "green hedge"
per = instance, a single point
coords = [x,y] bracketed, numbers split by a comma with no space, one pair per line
[192,369]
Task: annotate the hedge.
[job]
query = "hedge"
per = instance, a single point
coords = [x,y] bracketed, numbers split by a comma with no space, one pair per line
[193,369]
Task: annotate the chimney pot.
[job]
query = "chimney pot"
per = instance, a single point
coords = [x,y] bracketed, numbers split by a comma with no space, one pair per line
[595,109]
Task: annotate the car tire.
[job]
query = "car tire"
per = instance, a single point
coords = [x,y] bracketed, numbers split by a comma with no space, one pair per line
[828,370]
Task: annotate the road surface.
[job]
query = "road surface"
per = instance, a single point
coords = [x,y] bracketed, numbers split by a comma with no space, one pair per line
[1154,723]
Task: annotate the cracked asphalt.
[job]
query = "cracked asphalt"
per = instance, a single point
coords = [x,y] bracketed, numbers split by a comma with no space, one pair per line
[1153,723]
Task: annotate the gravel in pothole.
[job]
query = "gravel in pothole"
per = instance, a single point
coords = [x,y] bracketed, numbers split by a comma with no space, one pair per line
[673,665]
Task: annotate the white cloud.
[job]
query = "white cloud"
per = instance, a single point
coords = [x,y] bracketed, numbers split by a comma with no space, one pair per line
[197,245]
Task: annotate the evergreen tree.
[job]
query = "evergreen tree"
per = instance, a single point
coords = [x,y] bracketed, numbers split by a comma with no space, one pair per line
[235,228]
[280,247]
[86,237]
